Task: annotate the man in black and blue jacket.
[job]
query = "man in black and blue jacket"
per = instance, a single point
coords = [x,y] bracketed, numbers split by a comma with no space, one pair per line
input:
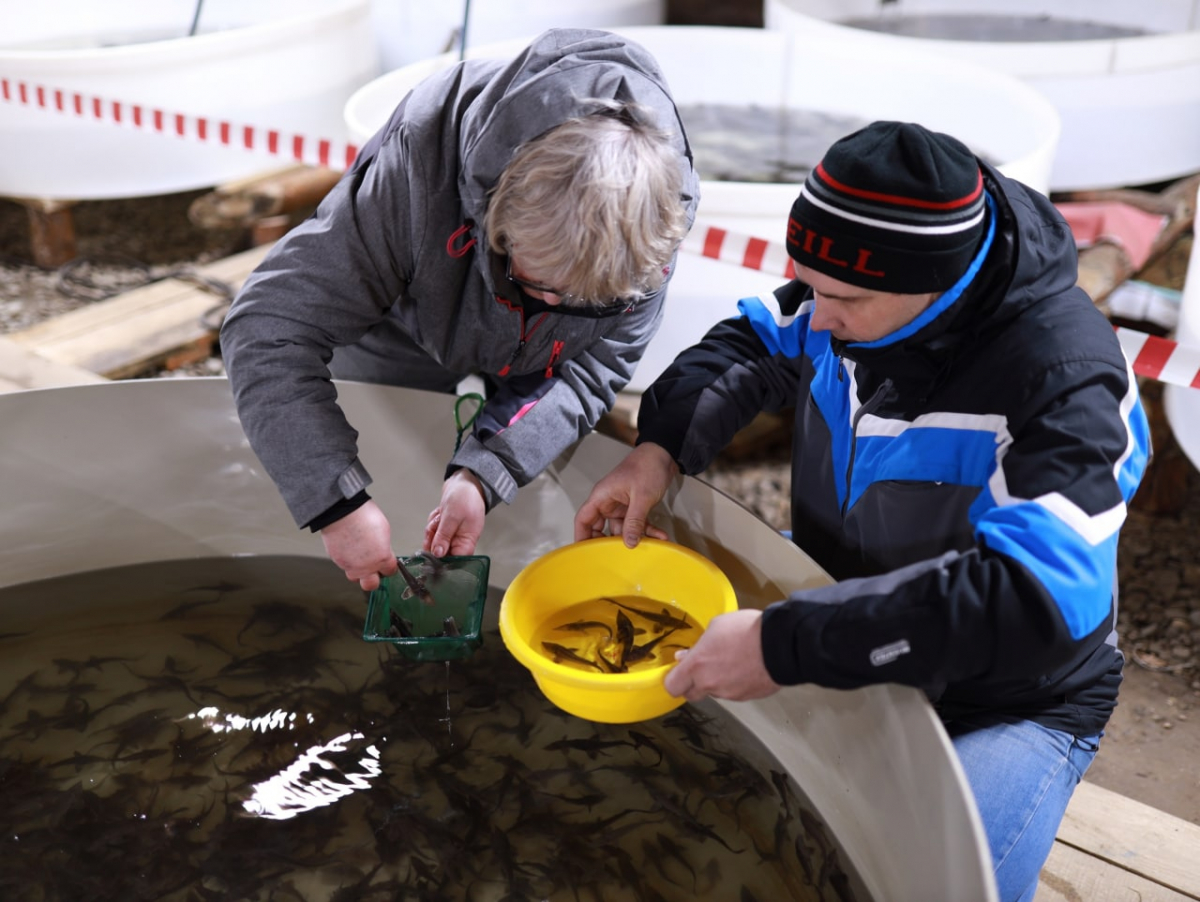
[968,435]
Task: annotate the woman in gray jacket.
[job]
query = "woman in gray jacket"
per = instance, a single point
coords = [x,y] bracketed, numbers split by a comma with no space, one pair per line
[516,219]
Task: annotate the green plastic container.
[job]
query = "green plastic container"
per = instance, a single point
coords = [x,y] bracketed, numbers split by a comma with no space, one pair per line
[458,586]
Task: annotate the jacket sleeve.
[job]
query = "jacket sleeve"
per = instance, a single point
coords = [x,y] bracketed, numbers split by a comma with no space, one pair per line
[719,385]
[1036,589]
[322,286]
[531,419]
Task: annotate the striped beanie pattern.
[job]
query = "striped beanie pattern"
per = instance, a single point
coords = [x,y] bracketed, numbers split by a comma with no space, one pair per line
[892,207]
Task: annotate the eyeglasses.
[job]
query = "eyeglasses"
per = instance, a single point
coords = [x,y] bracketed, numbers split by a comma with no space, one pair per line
[614,306]
[564,296]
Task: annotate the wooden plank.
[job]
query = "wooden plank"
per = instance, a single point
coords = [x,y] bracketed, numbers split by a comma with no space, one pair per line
[1134,837]
[1070,875]
[22,368]
[129,333]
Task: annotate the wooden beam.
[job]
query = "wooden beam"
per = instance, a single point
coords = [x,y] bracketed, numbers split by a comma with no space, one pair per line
[242,204]
[1135,838]
[134,331]
[51,231]
[1070,875]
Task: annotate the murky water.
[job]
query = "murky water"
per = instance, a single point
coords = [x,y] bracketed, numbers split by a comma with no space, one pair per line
[218,729]
[750,143]
[996,28]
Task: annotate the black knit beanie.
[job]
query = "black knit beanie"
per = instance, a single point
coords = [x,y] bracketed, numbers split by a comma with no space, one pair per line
[892,207]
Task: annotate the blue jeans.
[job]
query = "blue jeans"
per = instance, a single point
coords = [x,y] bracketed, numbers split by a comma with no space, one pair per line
[1022,776]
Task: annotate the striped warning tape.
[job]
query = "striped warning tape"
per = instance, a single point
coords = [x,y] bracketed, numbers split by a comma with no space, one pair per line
[769,257]
[303,149]
[1153,357]
[1160,359]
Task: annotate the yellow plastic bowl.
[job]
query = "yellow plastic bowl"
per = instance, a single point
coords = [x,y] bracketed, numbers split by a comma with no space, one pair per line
[661,571]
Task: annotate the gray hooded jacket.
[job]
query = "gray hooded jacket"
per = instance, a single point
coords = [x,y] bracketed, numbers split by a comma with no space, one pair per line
[395,262]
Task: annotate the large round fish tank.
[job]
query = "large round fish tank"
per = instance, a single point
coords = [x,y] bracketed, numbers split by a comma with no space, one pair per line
[774,70]
[1182,402]
[104,476]
[285,65]
[1124,76]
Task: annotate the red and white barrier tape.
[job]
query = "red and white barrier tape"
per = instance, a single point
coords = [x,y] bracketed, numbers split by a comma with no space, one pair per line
[304,149]
[1156,358]
[740,250]
[1160,358]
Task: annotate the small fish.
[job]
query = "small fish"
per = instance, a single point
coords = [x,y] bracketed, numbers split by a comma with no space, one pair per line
[561,653]
[582,626]
[641,740]
[646,650]
[624,637]
[664,620]
[416,585]
[590,747]
[614,652]
[400,628]
[435,567]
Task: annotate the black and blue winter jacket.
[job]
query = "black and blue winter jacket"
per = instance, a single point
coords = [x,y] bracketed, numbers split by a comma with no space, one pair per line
[964,479]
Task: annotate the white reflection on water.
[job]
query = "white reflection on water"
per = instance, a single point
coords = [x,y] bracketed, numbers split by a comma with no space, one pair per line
[294,790]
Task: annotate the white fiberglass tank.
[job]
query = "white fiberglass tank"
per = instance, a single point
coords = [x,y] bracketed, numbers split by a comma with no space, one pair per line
[1124,76]
[126,473]
[1182,403]
[778,72]
[282,65]
[413,30]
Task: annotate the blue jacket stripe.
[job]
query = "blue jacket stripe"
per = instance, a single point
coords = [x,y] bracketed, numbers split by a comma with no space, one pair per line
[791,337]
[1077,574]
[1132,464]
[781,334]
[931,454]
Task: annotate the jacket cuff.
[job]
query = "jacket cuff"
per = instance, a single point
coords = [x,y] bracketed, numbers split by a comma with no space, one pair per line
[778,646]
[342,508]
[498,483]
[354,479]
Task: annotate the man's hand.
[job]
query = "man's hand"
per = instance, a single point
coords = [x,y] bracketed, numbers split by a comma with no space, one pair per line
[726,662]
[454,525]
[361,544]
[621,501]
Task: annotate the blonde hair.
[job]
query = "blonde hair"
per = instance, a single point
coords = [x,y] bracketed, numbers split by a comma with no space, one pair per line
[594,204]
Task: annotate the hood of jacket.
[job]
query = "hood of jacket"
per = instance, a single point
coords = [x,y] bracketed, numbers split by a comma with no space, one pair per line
[549,82]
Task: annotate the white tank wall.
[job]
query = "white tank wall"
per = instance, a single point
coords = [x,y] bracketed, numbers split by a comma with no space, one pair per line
[1152,15]
[745,65]
[1182,403]
[273,64]
[128,472]
[413,30]
[1130,107]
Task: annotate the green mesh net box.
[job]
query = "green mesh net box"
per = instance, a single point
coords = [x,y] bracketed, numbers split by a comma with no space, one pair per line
[438,616]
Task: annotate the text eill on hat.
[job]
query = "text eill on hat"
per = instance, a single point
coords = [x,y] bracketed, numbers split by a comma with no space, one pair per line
[892,207]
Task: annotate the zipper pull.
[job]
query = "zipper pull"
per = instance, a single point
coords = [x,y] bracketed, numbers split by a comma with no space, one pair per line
[841,369]
[513,358]
[555,353]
